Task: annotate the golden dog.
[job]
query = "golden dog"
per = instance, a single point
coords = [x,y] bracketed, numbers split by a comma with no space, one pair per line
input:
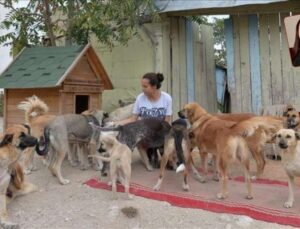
[288,142]
[37,117]
[225,140]
[12,184]
[120,162]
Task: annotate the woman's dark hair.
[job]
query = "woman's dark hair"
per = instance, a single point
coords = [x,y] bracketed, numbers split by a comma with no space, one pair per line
[155,79]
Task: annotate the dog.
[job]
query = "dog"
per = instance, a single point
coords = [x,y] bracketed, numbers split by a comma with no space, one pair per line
[176,143]
[292,118]
[120,162]
[287,140]
[54,143]
[225,140]
[12,144]
[143,134]
[37,117]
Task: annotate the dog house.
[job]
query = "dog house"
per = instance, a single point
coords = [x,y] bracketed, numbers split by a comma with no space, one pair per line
[69,79]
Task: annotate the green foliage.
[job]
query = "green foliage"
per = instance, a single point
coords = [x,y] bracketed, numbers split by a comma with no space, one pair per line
[219,41]
[218,34]
[110,21]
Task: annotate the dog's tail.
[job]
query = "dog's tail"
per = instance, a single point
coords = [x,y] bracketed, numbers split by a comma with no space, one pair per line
[45,142]
[106,159]
[248,127]
[178,136]
[33,106]
[117,128]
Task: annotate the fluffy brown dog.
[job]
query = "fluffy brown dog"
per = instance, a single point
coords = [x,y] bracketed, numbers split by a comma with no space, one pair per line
[12,184]
[37,117]
[225,140]
[288,142]
[120,162]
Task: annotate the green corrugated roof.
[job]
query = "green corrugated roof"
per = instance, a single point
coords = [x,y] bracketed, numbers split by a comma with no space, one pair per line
[38,67]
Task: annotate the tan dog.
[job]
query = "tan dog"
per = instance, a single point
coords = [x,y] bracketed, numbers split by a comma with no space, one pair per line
[292,118]
[288,142]
[255,142]
[37,117]
[12,184]
[120,162]
[225,140]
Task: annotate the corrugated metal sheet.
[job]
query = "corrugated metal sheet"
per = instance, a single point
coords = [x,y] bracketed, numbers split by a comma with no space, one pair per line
[179,5]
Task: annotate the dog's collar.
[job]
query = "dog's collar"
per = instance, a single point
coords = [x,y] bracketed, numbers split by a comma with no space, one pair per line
[92,119]
[27,127]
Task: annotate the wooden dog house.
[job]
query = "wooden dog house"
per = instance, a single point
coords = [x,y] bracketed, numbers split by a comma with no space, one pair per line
[68,79]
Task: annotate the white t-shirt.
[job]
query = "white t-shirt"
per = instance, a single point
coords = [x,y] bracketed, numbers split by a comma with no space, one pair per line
[145,108]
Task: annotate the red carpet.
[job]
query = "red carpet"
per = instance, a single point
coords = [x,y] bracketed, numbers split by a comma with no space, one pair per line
[267,205]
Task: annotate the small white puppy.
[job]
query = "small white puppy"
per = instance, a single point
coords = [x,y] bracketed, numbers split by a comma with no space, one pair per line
[288,142]
[120,162]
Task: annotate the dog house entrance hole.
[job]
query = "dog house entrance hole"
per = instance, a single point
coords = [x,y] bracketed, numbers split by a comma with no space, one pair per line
[82,103]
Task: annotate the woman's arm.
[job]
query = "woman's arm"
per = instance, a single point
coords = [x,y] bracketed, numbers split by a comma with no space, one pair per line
[168,118]
[132,118]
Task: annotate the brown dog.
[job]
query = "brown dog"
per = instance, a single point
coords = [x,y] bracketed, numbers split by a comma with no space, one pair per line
[120,162]
[37,117]
[292,118]
[12,184]
[256,144]
[225,139]
[288,142]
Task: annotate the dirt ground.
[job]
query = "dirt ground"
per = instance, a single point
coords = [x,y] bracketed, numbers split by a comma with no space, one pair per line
[78,206]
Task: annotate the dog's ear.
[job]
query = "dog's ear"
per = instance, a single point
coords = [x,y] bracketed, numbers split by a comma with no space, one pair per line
[6,140]
[297,135]
[105,114]
[273,137]
[191,135]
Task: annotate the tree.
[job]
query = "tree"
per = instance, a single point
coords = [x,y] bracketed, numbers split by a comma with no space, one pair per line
[109,20]
[218,34]
[219,40]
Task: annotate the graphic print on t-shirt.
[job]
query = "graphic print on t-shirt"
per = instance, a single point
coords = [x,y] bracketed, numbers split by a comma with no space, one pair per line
[153,112]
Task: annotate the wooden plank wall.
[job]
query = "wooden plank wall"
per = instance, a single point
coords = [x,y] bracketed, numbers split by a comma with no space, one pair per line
[259,68]
[15,96]
[192,65]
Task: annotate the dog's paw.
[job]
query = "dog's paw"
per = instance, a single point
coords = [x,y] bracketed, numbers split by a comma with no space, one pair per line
[288,204]
[156,187]
[199,178]
[185,187]
[221,196]
[65,181]
[27,171]
[215,177]
[150,168]
[249,197]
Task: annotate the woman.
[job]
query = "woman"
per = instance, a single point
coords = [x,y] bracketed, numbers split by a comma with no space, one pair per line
[152,103]
[295,51]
